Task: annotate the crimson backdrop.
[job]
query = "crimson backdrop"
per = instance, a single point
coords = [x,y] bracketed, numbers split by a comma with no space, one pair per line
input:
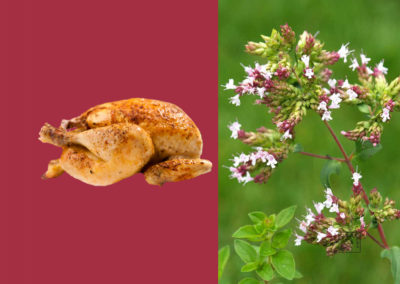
[59,58]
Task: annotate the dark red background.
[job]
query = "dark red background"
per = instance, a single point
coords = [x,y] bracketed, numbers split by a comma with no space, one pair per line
[59,58]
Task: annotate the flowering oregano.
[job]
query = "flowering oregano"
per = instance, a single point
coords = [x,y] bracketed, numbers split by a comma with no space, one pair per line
[294,78]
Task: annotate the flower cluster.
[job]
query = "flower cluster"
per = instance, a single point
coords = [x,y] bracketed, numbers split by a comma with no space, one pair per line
[342,222]
[335,224]
[375,97]
[260,162]
[296,77]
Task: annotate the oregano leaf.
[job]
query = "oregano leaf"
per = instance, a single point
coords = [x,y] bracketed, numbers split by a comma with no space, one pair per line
[393,254]
[245,251]
[285,216]
[281,238]
[223,256]
[283,262]
[330,167]
[266,272]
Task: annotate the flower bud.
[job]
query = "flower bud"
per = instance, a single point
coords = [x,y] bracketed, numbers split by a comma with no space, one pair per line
[375,198]
[288,35]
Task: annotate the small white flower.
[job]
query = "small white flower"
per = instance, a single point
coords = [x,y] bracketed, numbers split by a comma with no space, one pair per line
[309,73]
[306,60]
[352,95]
[344,52]
[234,127]
[248,70]
[298,240]
[235,173]
[286,135]
[322,106]
[362,221]
[320,236]
[346,84]
[271,161]
[342,215]
[253,158]
[267,74]
[356,178]
[385,115]
[261,92]
[369,71]
[310,217]
[333,231]
[364,59]
[328,202]
[230,85]
[382,68]
[244,158]
[235,100]
[335,98]
[303,226]
[247,178]
[354,64]
[328,194]
[328,191]
[332,83]
[236,161]
[319,207]
[334,208]
[326,115]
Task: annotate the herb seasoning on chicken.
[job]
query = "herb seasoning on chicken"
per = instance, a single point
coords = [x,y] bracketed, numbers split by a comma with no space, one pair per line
[113,141]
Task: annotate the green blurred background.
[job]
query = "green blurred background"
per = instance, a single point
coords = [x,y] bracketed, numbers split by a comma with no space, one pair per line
[369,26]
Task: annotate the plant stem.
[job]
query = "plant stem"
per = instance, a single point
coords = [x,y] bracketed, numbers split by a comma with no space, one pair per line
[326,157]
[382,235]
[351,168]
[347,160]
[375,240]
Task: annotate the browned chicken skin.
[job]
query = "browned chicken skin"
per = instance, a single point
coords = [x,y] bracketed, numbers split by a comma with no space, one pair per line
[113,141]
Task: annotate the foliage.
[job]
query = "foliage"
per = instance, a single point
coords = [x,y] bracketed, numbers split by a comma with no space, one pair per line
[264,251]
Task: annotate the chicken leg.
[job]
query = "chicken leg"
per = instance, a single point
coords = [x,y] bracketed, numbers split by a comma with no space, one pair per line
[176,169]
[99,156]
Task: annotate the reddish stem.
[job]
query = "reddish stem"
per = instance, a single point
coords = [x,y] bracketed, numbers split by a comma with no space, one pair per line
[351,168]
[326,157]
[382,235]
[375,240]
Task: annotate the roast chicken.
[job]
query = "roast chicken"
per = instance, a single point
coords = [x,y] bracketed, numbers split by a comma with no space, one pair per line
[116,140]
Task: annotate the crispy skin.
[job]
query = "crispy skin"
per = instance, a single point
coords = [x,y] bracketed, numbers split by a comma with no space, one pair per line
[176,170]
[172,134]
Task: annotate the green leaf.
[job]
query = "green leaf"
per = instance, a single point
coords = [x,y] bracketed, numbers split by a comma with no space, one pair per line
[223,256]
[285,216]
[245,250]
[298,148]
[266,249]
[298,275]
[266,272]
[245,232]
[393,254]
[248,267]
[330,167]
[364,108]
[257,216]
[270,222]
[365,149]
[249,280]
[281,238]
[283,263]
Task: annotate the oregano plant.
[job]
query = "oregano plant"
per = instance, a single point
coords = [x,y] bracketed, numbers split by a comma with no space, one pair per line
[294,77]
[262,247]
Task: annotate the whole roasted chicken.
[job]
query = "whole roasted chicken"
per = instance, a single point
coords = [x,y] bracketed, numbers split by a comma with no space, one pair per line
[113,141]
